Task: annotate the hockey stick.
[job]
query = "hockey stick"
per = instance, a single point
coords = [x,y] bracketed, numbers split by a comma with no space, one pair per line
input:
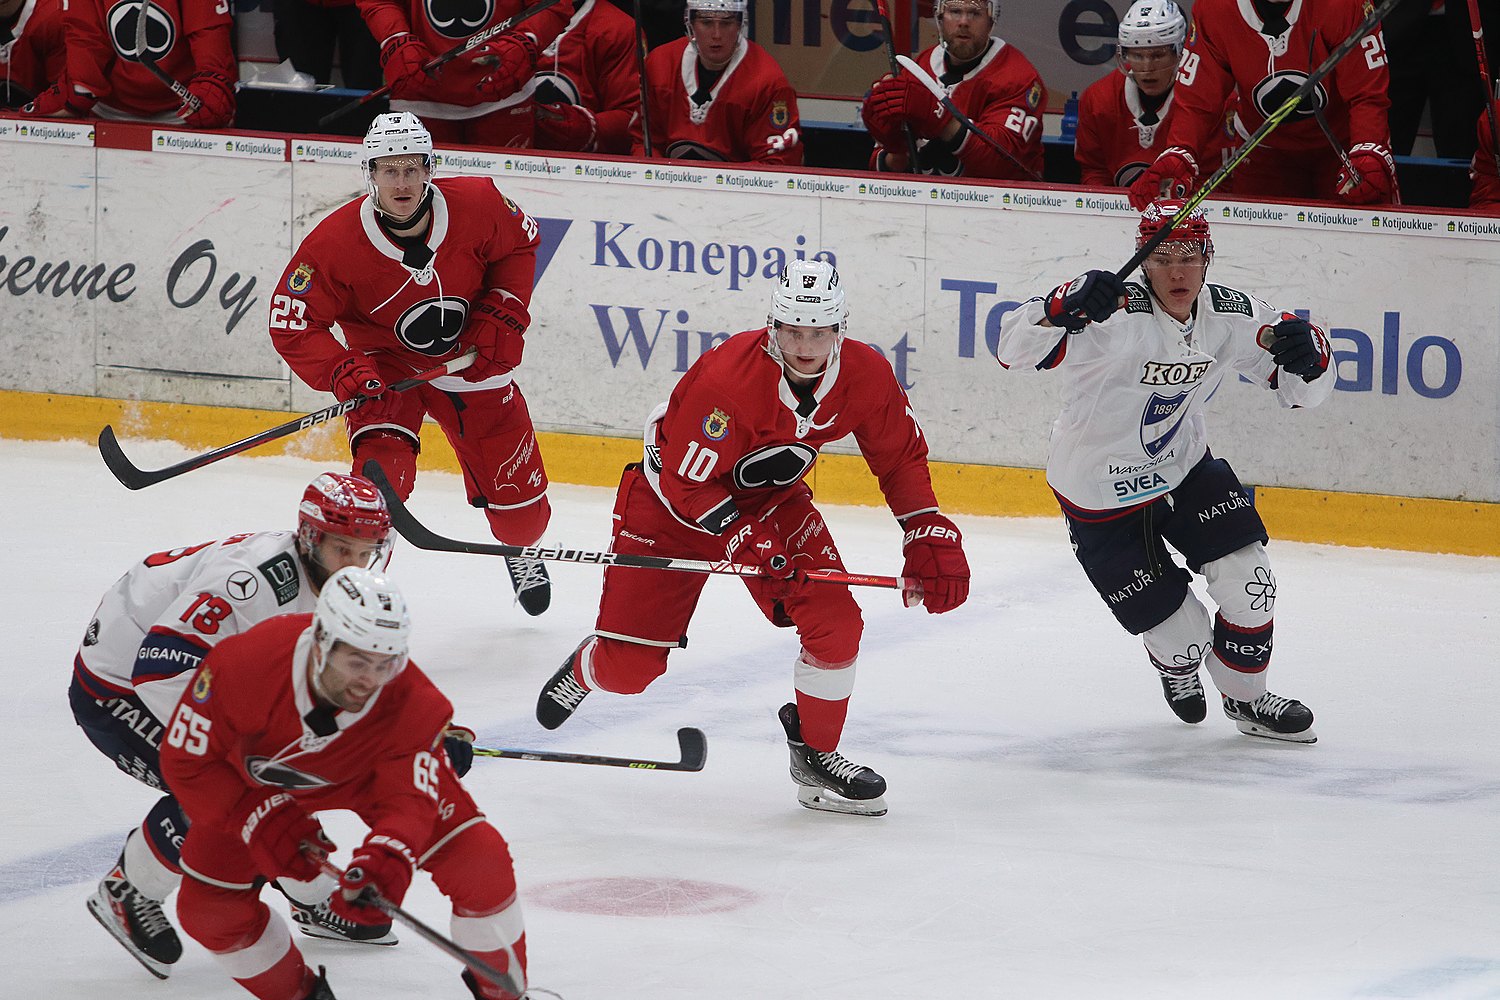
[504,980]
[422,537]
[442,59]
[1369,24]
[890,52]
[692,742]
[135,478]
[640,63]
[926,80]
[190,102]
[1354,179]
[1476,26]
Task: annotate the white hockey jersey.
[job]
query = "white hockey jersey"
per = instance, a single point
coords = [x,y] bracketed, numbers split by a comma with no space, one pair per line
[1138,384]
[158,621]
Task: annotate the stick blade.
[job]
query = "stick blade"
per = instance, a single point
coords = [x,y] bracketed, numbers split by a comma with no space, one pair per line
[126,471]
[694,746]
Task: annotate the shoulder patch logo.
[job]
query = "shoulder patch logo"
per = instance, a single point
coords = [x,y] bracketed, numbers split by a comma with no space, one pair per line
[510,206]
[779,114]
[1227,300]
[202,685]
[280,572]
[716,425]
[241,585]
[1137,300]
[1034,96]
[300,280]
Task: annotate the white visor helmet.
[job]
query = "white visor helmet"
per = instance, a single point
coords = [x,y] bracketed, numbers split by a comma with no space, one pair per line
[361,608]
[715,7]
[937,9]
[807,293]
[1149,24]
[397,133]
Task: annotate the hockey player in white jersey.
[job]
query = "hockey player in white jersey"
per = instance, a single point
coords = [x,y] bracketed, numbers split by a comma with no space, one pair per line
[1130,464]
[140,652]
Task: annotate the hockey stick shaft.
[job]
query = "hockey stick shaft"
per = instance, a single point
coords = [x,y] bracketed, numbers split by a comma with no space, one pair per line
[1476,27]
[135,478]
[437,61]
[926,80]
[890,52]
[692,742]
[422,537]
[640,65]
[190,102]
[1369,24]
[504,980]
[1353,178]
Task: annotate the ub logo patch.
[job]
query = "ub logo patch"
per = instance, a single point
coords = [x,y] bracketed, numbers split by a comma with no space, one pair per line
[203,685]
[300,280]
[779,114]
[1034,96]
[716,425]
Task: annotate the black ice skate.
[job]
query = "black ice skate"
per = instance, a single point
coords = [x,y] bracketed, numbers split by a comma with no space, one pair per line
[533,586]
[136,921]
[320,921]
[1273,717]
[472,982]
[320,988]
[562,695]
[827,781]
[1183,691]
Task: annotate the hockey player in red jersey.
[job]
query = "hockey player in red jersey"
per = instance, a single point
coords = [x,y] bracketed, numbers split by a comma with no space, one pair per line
[32,54]
[988,79]
[150,632]
[415,272]
[716,95]
[311,712]
[1131,467]
[588,85]
[1266,49]
[725,458]
[1123,117]
[190,40]
[483,97]
[1484,196]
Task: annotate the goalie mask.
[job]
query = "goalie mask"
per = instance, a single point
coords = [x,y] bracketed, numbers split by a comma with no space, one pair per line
[342,521]
[364,611]
[401,134]
[1189,236]
[807,293]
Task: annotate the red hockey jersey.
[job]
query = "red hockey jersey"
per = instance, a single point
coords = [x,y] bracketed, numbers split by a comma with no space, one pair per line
[733,430]
[185,37]
[750,114]
[1002,93]
[32,55]
[1485,195]
[592,64]
[443,24]
[1117,140]
[1226,50]
[240,731]
[349,271]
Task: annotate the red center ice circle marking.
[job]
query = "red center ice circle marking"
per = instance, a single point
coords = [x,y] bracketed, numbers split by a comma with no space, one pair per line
[640,897]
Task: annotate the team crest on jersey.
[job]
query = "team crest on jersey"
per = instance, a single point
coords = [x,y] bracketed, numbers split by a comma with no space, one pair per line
[1034,96]
[202,685]
[774,465]
[1369,7]
[716,425]
[432,326]
[279,774]
[1192,32]
[511,206]
[458,18]
[300,280]
[779,114]
[1161,421]
[1275,90]
[161,30]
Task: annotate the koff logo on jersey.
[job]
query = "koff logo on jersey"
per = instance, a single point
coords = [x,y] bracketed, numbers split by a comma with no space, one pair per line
[1173,372]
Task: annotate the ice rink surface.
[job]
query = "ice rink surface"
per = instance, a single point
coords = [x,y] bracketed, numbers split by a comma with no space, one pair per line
[1053,830]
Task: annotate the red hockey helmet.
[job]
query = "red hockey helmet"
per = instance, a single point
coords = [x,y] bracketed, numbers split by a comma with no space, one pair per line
[1189,236]
[347,506]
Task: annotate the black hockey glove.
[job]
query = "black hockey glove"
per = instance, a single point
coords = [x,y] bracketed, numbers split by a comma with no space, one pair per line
[1092,297]
[458,741]
[1298,346]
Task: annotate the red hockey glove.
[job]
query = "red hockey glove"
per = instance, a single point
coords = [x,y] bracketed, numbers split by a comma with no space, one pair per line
[935,555]
[882,121]
[566,126]
[753,543]
[215,93]
[355,375]
[458,742]
[515,63]
[1298,346]
[1377,176]
[1172,176]
[274,829]
[383,864]
[401,60]
[1092,297]
[903,99]
[497,324]
[61,100]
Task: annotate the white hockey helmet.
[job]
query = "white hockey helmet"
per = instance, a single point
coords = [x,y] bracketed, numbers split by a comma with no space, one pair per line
[1153,23]
[938,5]
[715,7]
[396,133]
[361,608]
[807,293]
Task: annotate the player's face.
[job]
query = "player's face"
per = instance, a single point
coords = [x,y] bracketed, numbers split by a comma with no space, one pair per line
[805,349]
[335,552]
[965,26]
[1176,275]
[1152,67]
[350,677]
[717,35]
[400,182]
